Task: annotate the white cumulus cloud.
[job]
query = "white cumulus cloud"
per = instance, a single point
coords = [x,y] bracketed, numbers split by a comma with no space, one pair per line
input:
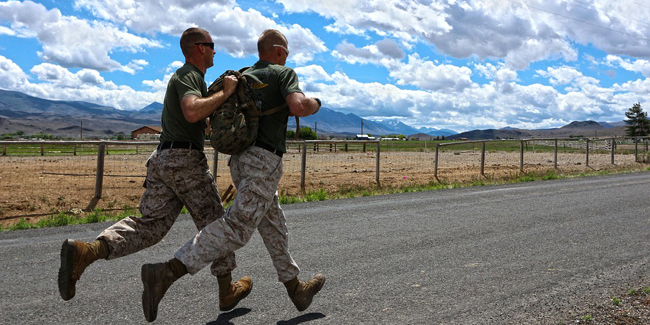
[70,41]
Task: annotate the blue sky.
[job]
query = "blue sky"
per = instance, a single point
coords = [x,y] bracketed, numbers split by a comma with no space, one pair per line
[457,65]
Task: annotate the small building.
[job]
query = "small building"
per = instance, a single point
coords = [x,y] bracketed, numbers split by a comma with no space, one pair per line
[147,133]
[363,137]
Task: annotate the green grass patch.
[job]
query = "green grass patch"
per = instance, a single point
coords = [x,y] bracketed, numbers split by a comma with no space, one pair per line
[359,191]
[65,219]
[62,219]
[53,149]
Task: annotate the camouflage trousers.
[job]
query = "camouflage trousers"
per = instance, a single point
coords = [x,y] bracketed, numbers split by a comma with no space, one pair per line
[256,173]
[175,178]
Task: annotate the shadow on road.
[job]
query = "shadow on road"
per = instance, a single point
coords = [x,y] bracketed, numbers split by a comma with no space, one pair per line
[224,319]
[302,319]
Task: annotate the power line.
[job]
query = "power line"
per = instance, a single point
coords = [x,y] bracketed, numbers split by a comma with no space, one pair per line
[572,2]
[580,21]
[641,4]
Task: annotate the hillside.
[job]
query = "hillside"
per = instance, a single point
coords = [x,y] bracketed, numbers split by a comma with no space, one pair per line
[573,129]
[21,112]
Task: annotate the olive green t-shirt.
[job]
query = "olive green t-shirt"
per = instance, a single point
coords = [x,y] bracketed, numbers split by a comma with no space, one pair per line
[281,81]
[187,80]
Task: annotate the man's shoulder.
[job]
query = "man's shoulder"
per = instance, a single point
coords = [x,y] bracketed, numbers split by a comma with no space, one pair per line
[188,70]
[263,65]
[281,69]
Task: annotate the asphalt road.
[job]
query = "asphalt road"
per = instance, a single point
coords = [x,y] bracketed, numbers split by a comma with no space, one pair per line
[507,254]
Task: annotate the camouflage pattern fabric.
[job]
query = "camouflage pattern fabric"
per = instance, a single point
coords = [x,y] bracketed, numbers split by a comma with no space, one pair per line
[256,173]
[234,125]
[175,177]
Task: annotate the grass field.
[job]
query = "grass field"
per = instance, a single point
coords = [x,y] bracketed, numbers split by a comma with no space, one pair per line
[34,186]
[17,148]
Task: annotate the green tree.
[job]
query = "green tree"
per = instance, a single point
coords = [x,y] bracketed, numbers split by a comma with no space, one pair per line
[291,134]
[637,122]
[43,135]
[306,133]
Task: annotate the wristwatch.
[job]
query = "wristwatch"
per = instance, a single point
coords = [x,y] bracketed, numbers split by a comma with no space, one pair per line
[319,103]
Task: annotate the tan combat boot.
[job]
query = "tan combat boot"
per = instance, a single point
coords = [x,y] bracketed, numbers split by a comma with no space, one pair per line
[302,293]
[231,293]
[156,278]
[75,257]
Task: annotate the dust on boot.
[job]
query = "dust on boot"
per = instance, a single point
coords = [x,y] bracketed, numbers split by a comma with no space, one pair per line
[302,293]
[231,293]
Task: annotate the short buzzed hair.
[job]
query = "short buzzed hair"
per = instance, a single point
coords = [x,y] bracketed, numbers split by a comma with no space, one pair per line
[190,36]
[268,38]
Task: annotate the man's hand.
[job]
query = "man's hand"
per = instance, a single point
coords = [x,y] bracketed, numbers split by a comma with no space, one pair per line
[196,108]
[229,85]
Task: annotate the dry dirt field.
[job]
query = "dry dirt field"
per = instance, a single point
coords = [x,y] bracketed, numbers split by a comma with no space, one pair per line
[33,186]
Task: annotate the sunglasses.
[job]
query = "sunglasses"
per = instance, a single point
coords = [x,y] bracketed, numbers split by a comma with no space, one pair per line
[211,45]
[284,48]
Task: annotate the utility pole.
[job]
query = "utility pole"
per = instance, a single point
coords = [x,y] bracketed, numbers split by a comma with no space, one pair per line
[81,130]
[316,128]
[361,126]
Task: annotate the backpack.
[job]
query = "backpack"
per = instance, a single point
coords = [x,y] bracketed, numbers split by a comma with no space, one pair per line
[235,123]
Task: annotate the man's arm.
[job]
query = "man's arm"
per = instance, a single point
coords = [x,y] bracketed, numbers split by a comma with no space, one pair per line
[301,105]
[197,108]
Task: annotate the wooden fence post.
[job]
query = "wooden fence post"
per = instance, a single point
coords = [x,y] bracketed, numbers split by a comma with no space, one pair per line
[521,156]
[99,177]
[4,150]
[555,159]
[303,167]
[377,178]
[587,162]
[42,151]
[435,165]
[613,148]
[636,150]
[74,149]
[483,159]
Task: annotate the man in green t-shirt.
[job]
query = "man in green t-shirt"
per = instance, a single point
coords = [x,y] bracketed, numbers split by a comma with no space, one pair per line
[256,173]
[177,176]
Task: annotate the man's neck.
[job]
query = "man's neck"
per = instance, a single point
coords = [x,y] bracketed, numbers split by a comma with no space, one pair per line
[269,60]
[198,65]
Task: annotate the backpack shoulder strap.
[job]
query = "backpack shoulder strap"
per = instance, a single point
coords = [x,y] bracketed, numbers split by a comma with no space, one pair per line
[277,109]
[274,109]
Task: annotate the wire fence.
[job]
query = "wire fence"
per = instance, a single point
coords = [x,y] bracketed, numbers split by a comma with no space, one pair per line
[45,177]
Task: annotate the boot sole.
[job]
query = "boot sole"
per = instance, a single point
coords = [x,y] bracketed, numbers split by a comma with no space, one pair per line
[233,305]
[65,270]
[148,305]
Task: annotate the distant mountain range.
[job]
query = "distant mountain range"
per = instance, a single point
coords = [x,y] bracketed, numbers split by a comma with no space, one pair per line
[21,112]
[330,122]
[583,129]
[32,115]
